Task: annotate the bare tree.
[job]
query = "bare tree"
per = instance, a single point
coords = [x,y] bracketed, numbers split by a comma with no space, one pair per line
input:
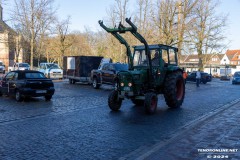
[207,32]
[31,15]
[121,9]
[117,13]
[185,19]
[143,20]
[62,29]
[165,21]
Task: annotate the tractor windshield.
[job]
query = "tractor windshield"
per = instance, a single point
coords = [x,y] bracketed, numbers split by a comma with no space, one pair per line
[159,55]
[140,58]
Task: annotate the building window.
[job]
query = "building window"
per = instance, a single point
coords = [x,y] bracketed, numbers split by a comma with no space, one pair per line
[239,62]
[193,60]
[239,57]
[214,59]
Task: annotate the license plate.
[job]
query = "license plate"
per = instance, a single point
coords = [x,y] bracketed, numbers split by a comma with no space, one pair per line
[41,91]
[126,88]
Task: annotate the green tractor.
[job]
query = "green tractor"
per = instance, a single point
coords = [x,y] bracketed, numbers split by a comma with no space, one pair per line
[153,70]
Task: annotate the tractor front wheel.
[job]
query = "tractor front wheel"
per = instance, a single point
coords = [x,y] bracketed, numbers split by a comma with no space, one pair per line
[174,89]
[150,103]
[114,102]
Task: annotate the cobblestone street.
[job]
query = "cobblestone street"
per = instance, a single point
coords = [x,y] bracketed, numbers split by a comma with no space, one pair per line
[77,123]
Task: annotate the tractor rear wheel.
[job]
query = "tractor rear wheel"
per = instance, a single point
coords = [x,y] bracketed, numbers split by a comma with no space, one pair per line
[114,102]
[150,103]
[174,89]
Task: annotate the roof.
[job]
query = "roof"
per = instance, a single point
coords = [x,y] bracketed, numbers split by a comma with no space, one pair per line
[192,58]
[4,27]
[155,46]
[26,71]
[230,53]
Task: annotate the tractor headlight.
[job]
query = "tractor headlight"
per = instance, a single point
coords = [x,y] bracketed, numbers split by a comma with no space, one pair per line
[130,84]
[121,84]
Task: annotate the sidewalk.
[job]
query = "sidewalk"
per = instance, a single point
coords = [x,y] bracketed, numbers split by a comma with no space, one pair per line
[215,136]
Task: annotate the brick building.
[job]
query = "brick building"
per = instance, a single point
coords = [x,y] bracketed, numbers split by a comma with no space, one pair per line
[8,41]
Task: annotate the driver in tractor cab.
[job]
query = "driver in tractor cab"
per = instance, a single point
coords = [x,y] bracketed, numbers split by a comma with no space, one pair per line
[155,60]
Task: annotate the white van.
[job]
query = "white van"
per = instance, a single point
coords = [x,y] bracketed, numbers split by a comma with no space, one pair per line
[51,70]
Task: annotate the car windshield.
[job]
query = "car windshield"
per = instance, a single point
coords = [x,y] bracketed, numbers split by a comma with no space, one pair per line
[121,67]
[1,64]
[23,65]
[237,74]
[33,75]
[52,66]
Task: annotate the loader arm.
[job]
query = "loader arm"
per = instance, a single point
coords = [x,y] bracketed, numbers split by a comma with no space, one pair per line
[132,30]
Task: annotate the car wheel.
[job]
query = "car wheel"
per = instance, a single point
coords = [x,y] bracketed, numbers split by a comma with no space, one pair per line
[3,72]
[95,83]
[70,81]
[18,96]
[204,82]
[73,81]
[48,97]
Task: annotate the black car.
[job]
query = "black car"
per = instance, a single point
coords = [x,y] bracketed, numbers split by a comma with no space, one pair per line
[236,78]
[205,77]
[22,84]
[106,73]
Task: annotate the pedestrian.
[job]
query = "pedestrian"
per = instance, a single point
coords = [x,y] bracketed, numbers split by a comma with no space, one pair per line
[198,77]
[184,75]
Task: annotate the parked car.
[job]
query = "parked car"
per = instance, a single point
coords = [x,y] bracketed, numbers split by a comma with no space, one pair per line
[51,70]
[106,73]
[2,68]
[19,66]
[205,77]
[236,78]
[27,83]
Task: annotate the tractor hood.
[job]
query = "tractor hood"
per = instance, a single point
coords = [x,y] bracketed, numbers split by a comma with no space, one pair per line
[132,78]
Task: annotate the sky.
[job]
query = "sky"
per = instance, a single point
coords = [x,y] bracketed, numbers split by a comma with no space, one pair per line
[86,13]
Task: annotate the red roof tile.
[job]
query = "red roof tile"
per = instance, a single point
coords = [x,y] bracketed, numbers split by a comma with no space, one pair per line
[230,53]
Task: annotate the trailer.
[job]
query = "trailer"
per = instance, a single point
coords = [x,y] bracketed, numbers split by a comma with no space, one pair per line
[78,68]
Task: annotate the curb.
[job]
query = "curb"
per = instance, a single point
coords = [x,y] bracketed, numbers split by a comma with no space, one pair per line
[149,150]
